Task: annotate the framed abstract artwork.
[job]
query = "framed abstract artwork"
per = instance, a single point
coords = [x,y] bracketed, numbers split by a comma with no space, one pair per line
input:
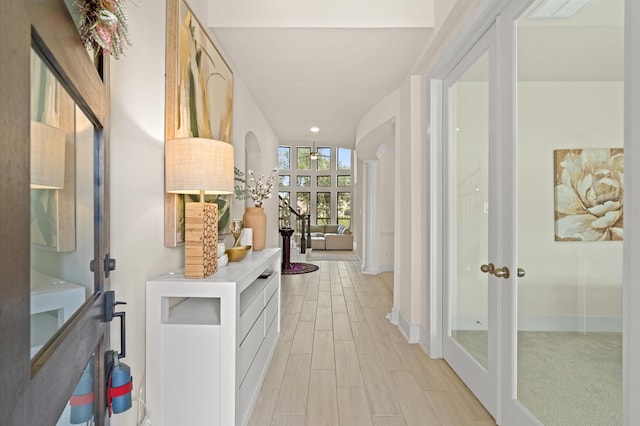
[589,194]
[199,103]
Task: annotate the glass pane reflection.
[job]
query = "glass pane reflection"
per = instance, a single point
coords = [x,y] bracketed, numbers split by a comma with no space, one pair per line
[61,205]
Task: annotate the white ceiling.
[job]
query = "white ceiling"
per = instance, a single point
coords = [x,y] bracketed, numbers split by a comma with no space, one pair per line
[324,64]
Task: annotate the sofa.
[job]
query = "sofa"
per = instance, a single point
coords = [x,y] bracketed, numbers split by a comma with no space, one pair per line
[331,237]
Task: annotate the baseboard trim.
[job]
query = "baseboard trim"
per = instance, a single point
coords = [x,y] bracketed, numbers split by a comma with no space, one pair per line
[412,332]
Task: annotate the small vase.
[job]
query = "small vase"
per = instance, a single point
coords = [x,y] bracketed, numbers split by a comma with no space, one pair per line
[255,219]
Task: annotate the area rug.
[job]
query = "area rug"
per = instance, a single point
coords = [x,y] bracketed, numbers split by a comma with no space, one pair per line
[299,268]
[318,255]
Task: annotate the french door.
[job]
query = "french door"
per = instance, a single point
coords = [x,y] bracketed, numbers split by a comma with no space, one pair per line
[533,204]
[54,219]
[470,231]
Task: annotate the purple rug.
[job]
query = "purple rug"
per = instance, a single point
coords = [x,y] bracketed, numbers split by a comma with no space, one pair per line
[299,268]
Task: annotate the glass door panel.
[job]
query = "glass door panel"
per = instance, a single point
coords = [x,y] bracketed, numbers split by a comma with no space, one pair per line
[469,230]
[62,213]
[469,130]
[570,217]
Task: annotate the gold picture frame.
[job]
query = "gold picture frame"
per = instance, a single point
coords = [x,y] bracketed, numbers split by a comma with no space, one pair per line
[199,103]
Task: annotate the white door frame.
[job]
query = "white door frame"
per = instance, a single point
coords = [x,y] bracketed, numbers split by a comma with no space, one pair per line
[476,25]
[631,244]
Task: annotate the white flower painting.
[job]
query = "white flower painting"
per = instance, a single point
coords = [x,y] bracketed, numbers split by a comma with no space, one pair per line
[589,194]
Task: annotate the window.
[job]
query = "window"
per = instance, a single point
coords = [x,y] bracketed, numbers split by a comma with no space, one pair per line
[324,158]
[344,208]
[320,188]
[323,181]
[284,158]
[344,180]
[303,199]
[344,159]
[304,180]
[323,208]
[285,195]
[304,158]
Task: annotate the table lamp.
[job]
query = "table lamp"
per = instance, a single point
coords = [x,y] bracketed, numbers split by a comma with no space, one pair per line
[199,166]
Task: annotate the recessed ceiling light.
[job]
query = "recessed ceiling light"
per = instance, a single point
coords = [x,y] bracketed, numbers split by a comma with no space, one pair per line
[315,129]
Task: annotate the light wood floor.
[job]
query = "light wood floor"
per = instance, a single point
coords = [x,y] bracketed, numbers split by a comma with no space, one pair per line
[340,362]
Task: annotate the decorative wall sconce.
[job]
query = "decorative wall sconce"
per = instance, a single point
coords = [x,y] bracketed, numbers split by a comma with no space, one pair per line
[199,166]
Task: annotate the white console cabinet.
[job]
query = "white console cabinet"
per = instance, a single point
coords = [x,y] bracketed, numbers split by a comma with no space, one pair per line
[210,341]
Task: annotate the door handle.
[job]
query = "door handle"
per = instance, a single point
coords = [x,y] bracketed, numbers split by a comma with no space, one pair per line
[488,268]
[109,308]
[501,272]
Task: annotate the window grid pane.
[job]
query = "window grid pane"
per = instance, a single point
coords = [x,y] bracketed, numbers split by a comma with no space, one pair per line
[344,159]
[323,209]
[303,180]
[284,158]
[344,180]
[303,199]
[285,180]
[344,208]
[304,158]
[323,181]
[324,158]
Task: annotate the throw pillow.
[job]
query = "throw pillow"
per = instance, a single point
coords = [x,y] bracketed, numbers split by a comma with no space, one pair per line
[341,229]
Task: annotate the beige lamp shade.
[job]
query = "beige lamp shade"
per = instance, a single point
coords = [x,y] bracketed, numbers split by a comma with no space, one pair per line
[196,164]
[47,156]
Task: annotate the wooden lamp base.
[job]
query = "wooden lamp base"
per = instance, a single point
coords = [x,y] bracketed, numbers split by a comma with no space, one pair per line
[200,239]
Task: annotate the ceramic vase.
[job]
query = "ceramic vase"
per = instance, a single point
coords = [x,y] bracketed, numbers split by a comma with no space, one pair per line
[256,219]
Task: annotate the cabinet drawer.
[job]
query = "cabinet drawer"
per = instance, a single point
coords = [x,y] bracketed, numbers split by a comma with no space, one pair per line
[273,306]
[253,301]
[271,287]
[249,317]
[248,392]
[249,347]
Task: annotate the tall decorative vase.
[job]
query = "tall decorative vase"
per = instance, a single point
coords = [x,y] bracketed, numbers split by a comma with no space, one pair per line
[255,219]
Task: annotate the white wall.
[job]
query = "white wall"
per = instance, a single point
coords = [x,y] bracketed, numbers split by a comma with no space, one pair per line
[247,118]
[137,181]
[137,175]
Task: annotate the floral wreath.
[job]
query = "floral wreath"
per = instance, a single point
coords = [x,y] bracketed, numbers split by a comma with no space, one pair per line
[103,25]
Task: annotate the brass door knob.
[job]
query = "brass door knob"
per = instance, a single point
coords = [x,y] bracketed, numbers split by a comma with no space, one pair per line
[501,272]
[487,268]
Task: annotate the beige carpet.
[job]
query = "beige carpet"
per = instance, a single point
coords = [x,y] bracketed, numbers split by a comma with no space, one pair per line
[564,378]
